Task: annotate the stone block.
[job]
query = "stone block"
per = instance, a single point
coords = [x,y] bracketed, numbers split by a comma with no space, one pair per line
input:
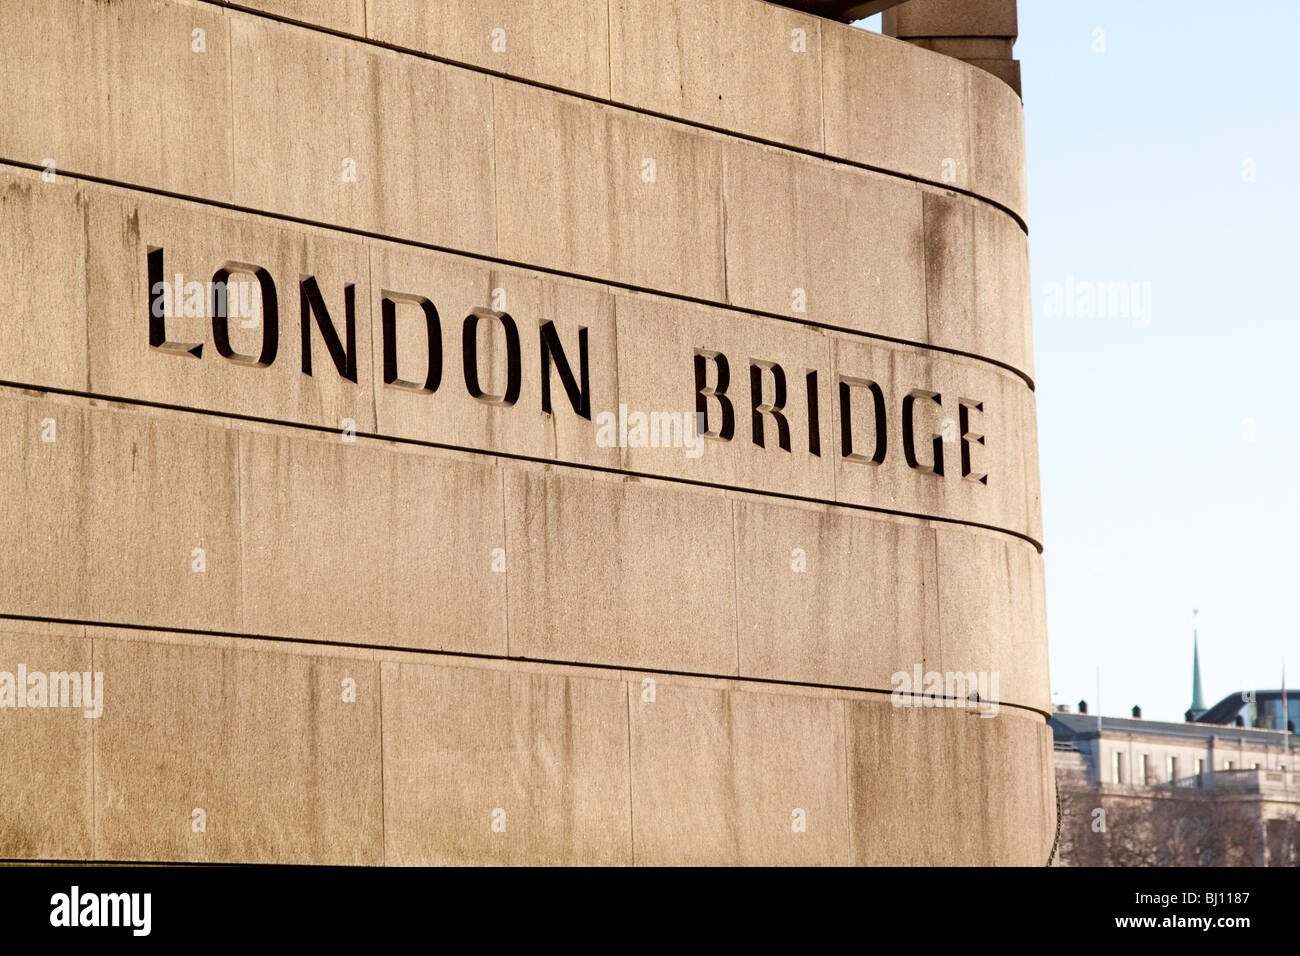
[47,787]
[833,596]
[413,163]
[731,65]
[261,741]
[345,16]
[824,243]
[562,43]
[368,544]
[727,777]
[977,280]
[664,598]
[114,513]
[640,203]
[485,765]
[43,241]
[947,787]
[134,92]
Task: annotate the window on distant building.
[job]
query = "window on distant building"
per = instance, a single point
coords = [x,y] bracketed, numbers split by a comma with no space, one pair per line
[1115,767]
[1254,766]
[1200,770]
[1228,765]
[1173,768]
[1144,769]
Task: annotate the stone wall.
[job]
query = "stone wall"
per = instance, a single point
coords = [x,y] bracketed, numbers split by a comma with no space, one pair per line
[365,577]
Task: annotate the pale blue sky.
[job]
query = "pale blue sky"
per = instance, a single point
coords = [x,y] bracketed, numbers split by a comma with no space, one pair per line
[1169,458]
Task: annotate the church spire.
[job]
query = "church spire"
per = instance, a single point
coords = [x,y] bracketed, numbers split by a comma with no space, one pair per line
[1198,705]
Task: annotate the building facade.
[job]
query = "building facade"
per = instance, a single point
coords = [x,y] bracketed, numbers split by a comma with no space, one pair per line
[528,432]
[1145,792]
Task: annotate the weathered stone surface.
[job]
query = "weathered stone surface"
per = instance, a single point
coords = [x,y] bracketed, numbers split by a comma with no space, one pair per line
[43,301]
[946,786]
[1033,486]
[931,109]
[370,544]
[281,748]
[706,584]
[977,280]
[731,65]
[238,532]
[664,598]
[939,18]
[726,777]
[377,174]
[641,203]
[47,787]
[641,352]
[824,243]
[119,90]
[345,16]
[261,740]
[833,596]
[656,186]
[487,765]
[998,141]
[1004,69]
[562,43]
[113,512]
[964,127]
[990,612]
[412,165]
[836,597]
[864,75]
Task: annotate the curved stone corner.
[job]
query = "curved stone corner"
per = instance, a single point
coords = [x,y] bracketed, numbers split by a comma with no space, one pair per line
[400,759]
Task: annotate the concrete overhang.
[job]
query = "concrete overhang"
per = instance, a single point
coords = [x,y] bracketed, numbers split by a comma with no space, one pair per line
[846,10]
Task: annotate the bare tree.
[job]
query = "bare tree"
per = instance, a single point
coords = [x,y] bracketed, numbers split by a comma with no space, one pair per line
[1171,826]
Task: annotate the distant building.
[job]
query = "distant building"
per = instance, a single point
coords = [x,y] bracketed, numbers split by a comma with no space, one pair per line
[1261,709]
[1207,792]
[1222,788]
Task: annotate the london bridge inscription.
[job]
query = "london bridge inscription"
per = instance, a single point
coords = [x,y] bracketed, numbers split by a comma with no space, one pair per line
[777,408]
[190,307]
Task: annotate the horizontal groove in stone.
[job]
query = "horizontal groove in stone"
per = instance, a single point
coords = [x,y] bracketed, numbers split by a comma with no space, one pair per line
[613,671]
[506,456]
[496,260]
[271,507]
[838,158]
[566,752]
